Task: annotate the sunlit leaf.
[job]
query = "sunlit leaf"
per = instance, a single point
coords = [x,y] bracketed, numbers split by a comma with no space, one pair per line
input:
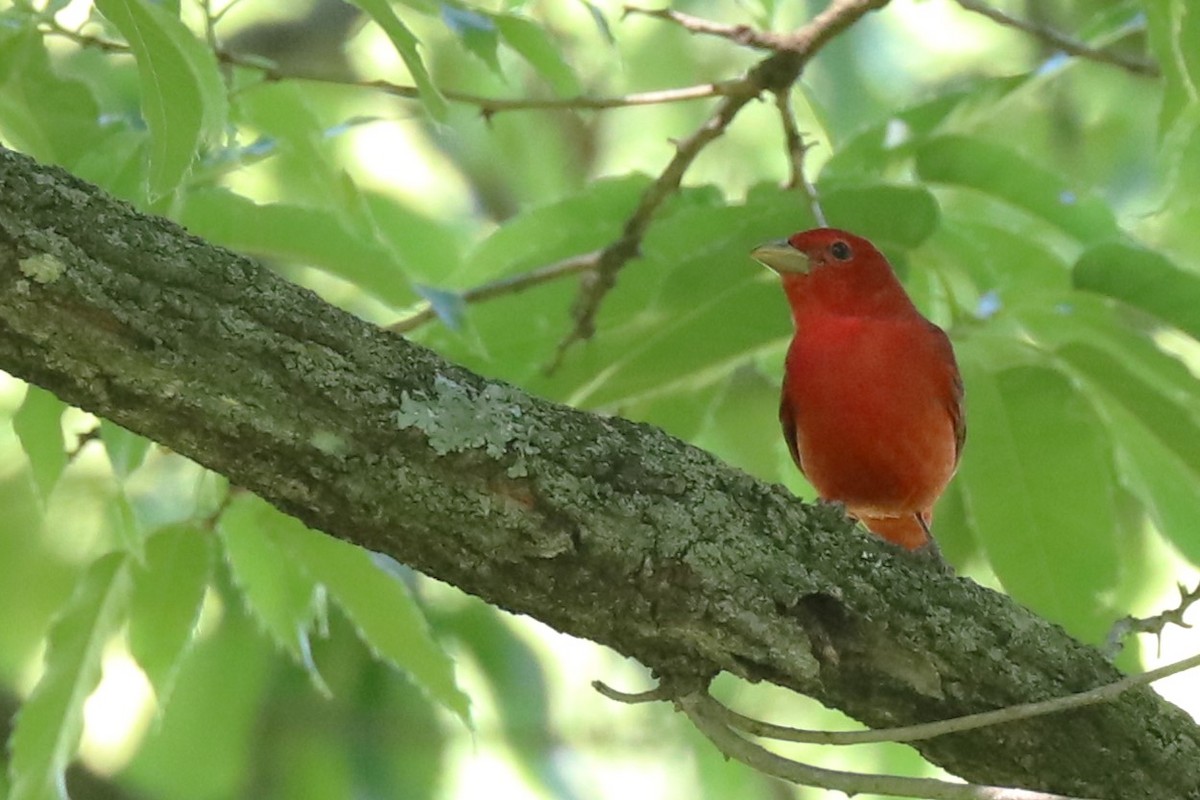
[168,592]
[1038,484]
[50,722]
[51,118]
[38,424]
[475,30]
[280,596]
[182,96]
[308,236]
[517,679]
[380,607]
[536,46]
[1174,33]
[406,44]
[126,450]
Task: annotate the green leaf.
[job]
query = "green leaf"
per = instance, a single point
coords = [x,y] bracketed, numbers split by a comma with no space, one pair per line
[742,426]
[182,95]
[475,30]
[537,47]
[1143,279]
[902,216]
[406,44]
[53,119]
[168,593]
[514,673]
[1006,174]
[1174,32]
[380,607]
[126,450]
[51,721]
[309,236]
[1038,484]
[38,424]
[1158,442]
[1150,400]
[278,593]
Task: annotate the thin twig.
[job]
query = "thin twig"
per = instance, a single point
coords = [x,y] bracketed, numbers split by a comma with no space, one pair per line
[774,73]
[488,106]
[1155,624]
[657,694]
[797,149]
[511,284]
[1062,42]
[735,746]
[742,34]
[929,730]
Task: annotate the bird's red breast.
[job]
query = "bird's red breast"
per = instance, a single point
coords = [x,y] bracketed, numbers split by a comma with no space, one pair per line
[872,398]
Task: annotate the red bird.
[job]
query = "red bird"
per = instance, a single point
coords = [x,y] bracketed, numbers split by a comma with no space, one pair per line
[872,405]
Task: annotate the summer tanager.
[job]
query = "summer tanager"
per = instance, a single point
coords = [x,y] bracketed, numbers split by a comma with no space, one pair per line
[872,397]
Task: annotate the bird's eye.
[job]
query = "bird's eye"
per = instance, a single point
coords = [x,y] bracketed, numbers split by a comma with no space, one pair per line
[840,251]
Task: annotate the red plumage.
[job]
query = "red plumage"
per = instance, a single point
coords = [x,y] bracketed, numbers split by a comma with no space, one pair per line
[872,405]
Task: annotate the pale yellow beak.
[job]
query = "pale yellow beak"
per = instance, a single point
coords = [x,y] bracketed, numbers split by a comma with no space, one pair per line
[781,257]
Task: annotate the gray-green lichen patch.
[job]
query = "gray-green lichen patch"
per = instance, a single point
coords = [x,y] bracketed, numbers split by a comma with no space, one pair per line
[42,267]
[458,418]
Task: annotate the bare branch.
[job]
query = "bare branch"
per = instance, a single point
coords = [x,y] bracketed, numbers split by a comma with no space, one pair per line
[511,284]
[1061,41]
[488,106]
[797,149]
[928,730]
[774,73]
[1154,624]
[852,783]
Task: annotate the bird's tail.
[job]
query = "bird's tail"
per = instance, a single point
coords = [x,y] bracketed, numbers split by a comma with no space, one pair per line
[910,531]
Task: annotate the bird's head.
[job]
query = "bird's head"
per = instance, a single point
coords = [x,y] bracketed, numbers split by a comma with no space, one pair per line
[814,249]
[833,270]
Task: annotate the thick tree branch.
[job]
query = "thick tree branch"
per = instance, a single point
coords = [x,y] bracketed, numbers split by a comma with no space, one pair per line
[600,527]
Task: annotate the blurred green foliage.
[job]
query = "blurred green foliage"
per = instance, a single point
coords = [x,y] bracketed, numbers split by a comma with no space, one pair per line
[1042,208]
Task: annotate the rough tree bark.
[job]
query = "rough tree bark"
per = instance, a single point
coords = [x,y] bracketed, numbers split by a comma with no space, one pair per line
[601,527]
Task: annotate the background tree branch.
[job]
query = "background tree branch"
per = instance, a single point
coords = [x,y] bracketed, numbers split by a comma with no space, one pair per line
[600,527]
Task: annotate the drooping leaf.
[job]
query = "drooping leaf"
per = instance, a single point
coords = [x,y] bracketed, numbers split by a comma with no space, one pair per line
[280,596]
[406,44]
[1009,176]
[1038,484]
[50,722]
[475,30]
[168,593]
[126,450]
[309,236]
[1143,279]
[380,607]
[1174,32]
[537,47]
[182,95]
[38,424]
[53,119]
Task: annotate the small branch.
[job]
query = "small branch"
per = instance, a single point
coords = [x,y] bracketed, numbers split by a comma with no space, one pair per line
[758,758]
[741,34]
[1154,624]
[775,73]
[655,695]
[797,149]
[488,106]
[1061,41]
[928,730]
[804,41]
[511,284]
